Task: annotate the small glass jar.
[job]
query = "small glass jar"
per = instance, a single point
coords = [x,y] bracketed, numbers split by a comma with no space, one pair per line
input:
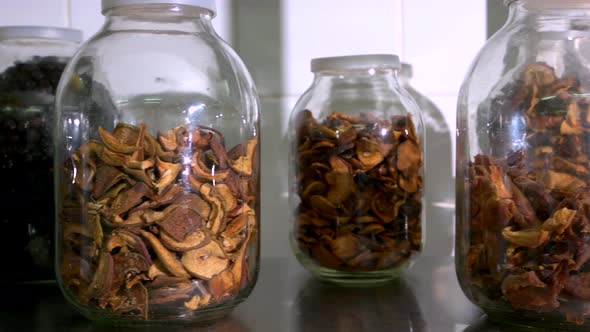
[523,195]
[356,171]
[157,157]
[32,59]
[439,195]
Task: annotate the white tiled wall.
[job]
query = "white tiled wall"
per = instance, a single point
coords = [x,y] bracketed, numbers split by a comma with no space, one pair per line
[278,38]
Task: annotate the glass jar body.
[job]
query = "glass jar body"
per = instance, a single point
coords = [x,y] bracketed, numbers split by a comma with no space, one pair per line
[30,69]
[158,184]
[439,194]
[356,177]
[522,176]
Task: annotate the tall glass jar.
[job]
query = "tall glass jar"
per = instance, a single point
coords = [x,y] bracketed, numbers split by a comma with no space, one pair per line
[523,200]
[439,194]
[32,59]
[356,171]
[157,159]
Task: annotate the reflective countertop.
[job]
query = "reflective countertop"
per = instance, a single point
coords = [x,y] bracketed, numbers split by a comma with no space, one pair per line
[287,298]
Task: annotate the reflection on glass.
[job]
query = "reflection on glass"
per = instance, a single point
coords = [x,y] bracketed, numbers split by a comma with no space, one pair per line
[326,307]
[485,325]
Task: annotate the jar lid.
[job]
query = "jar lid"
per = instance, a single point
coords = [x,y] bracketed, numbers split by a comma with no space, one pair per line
[207,4]
[552,4]
[407,70]
[23,31]
[352,62]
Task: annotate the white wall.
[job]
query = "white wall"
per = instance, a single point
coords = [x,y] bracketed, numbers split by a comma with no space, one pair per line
[277,39]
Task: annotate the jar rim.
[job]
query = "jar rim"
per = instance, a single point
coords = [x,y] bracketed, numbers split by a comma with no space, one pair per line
[206,4]
[355,62]
[40,32]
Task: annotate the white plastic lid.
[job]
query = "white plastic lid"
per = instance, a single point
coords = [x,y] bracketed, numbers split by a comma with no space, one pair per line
[407,70]
[40,32]
[207,4]
[355,62]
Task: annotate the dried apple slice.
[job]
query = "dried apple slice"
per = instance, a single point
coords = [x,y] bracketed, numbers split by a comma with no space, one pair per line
[194,240]
[205,262]
[168,173]
[201,171]
[156,269]
[168,140]
[346,246]
[114,144]
[146,216]
[122,237]
[135,300]
[369,153]
[106,177]
[128,198]
[196,203]
[167,258]
[222,285]
[226,195]
[166,289]
[180,222]
[409,158]
[219,152]
[243,164]
[532,237]
[103,277]
[217,217]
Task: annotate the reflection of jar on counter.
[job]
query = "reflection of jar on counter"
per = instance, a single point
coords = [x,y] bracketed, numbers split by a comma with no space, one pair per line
[326,307]
[157,152]
[439,194]
[356,171]
[31,63]
[523,177]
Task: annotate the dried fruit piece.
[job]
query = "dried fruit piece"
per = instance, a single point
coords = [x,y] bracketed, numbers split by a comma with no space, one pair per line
[194,240]
[115,144]
[221,284]
[532,237]
[205,262]
[217,216]
[167,258]
[180,222]
[243,164]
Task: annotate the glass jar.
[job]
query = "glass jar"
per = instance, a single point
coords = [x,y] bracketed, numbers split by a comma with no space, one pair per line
[523,200]
[31,63]
[439,195]
[356,171]
[157,158]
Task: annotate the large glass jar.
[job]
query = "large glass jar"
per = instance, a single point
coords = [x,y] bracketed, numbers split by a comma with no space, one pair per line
[157,161]
[523,200]
[356,171]
[439,194]
[32,59]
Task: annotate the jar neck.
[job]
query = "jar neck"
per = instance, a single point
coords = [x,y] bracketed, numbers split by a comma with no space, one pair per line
[159,17]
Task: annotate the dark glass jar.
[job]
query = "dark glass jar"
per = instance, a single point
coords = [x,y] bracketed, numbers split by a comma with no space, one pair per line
[157,158]
[356,171]
[523,194]
[31,63]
